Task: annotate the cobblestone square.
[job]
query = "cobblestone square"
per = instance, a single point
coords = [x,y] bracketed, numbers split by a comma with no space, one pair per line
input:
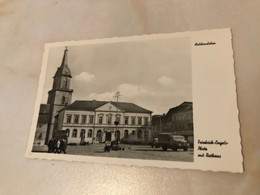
[133,152]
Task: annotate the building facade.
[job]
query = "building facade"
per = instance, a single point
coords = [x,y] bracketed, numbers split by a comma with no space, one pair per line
[42,125]
[94,122]
[178,120]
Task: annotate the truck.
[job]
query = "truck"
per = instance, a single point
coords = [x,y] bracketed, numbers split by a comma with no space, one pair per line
[170,140]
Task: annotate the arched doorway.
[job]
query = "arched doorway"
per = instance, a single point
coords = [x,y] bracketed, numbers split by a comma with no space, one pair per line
[139,134]
[82,136]
[99,136]
[68,132]
[126,134]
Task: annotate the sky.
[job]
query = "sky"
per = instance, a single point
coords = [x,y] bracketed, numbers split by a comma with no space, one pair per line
[154,74]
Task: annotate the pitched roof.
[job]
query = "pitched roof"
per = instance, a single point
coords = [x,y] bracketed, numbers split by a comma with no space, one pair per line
[185,106]
[131,107]
[44,109]
[85,105]
[44,113]
[93,105]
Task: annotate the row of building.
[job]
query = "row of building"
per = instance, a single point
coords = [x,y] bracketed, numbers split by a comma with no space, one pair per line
[98,121]
[178,120]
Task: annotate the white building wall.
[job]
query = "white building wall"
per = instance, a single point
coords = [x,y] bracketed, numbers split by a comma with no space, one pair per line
[104,127]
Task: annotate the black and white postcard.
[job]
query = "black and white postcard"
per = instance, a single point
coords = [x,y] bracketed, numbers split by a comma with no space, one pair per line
[163,100]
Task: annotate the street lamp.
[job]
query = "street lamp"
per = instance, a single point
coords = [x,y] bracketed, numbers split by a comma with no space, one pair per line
[117,95]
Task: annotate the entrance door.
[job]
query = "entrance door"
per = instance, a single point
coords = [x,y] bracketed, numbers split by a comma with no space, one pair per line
[99,136]
[108,136]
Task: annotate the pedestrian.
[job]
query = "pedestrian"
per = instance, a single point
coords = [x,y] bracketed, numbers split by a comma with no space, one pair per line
[58,146]
[51,145]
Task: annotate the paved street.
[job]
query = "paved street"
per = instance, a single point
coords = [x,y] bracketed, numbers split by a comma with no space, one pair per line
[132,151]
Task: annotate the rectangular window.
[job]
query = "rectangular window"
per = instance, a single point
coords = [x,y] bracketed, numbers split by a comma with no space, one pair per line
[139,120]
[76,118]
[68,118]
[126,120]
[91,119]
[83,119]
[109,120]
[146,120]
[100,119]
[118,119]
[133,120]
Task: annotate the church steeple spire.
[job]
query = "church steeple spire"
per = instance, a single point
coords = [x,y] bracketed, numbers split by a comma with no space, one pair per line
[62,76]
[65,57]
[64,70]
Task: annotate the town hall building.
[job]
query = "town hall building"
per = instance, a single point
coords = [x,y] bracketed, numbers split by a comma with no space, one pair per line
[95,121]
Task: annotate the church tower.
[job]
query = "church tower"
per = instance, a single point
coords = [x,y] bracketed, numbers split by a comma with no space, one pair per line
[60,95]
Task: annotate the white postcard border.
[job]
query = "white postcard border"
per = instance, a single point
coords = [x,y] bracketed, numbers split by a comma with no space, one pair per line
[208,59]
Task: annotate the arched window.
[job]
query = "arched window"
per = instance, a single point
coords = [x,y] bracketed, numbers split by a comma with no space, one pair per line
[126,133]
[133,132]
[63,100]
[139,134]
[82,133]
[74,133]
[90,133]
[68,132]
[117,135]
